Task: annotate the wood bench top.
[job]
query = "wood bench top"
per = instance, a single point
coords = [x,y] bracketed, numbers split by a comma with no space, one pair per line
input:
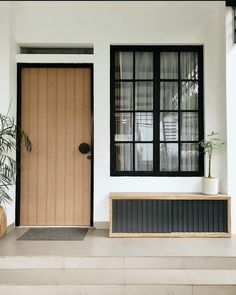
[166,195]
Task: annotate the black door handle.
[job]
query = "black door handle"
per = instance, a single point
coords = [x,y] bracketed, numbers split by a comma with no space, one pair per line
[84,148]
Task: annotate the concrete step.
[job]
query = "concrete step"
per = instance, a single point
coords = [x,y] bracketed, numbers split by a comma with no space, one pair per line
[111,262]
[117,282]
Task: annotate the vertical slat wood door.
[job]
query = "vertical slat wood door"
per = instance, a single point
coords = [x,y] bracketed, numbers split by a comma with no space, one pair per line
[55,177]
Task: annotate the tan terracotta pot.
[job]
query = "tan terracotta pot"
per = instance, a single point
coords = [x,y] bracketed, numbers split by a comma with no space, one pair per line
[3,221]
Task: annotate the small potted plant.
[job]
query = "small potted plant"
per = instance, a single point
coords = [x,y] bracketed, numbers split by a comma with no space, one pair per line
[9,132]
[209,145]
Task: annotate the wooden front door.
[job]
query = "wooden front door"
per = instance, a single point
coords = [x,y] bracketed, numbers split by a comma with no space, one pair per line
[55,183]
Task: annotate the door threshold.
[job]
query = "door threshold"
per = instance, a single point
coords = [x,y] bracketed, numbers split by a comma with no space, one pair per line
[56,226]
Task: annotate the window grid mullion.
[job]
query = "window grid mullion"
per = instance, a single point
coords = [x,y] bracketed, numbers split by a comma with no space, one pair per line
[137,141]
[200,107]
[137,111]
[179,106]
[176,141]
[112,115]
[134,109]
[133,79]
[179,79]
[157,111]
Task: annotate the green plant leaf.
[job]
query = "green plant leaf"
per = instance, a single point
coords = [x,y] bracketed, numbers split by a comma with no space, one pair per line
[210,144]
[10,135]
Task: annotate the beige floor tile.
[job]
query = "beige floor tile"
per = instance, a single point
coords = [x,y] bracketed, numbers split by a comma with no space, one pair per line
[101,247]
[91,290]
[211,277]
[29,276]
[39,262]
[156,276]
[92,247]
[157,290]
[210,262]
[28,290]
[147,247]
[154,262]
[2,262]
[94,262]
[214,290]
[92,276]
[199,247]
[97,243]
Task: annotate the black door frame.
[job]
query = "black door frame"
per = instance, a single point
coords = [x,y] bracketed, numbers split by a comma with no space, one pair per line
[21,66]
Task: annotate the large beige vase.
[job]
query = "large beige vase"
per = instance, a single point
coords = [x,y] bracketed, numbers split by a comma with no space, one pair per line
[3,221]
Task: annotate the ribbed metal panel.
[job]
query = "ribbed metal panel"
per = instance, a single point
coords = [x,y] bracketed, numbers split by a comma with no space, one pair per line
[165,216]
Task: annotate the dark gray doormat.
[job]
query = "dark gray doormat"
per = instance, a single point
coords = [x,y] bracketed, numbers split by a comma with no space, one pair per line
[54,234]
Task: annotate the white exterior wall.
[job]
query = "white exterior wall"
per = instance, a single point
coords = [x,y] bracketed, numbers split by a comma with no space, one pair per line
[7,78]
[106,23]
[4,56]
[231,110]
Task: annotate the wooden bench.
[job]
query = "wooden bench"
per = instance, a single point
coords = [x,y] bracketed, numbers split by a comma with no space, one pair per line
[169,215]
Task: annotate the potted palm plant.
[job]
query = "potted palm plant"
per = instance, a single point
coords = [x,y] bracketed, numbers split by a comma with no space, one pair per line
[209,145]
[9,133]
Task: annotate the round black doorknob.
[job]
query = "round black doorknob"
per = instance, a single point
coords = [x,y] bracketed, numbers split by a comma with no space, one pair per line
[84,148]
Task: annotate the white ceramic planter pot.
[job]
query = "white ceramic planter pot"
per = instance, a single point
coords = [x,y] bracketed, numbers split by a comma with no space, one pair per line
[210,186]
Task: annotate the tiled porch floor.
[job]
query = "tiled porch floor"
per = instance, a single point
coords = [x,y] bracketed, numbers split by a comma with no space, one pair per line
[97,243]
[100,265]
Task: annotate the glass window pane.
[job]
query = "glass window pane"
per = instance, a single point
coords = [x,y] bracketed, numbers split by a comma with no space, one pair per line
[144,96]
[143,65]
[124,156]
[144,126]
[169,96]
[189,157]
[189,126]
[169,157]
[169,126]
[143,157]
[189,96]
[169,65]
[189,65]
[124,65]
[124,96]
[124,126]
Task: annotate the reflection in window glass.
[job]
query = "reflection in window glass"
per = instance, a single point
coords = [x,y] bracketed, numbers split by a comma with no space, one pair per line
[124,156]
[189,97]
[143,157]
[189,157]
[124,65]
[169,96]
[169,157]
[144,96]
[124,127]
[189,65]
[143,65]
[189,126]
[169,65]
[169,126]
[144,126]
[124,96]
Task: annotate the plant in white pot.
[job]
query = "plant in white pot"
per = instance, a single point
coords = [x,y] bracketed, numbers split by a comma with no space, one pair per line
[9,132]
[209,145]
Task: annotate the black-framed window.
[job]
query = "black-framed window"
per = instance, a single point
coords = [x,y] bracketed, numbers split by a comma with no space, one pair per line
[156,110]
